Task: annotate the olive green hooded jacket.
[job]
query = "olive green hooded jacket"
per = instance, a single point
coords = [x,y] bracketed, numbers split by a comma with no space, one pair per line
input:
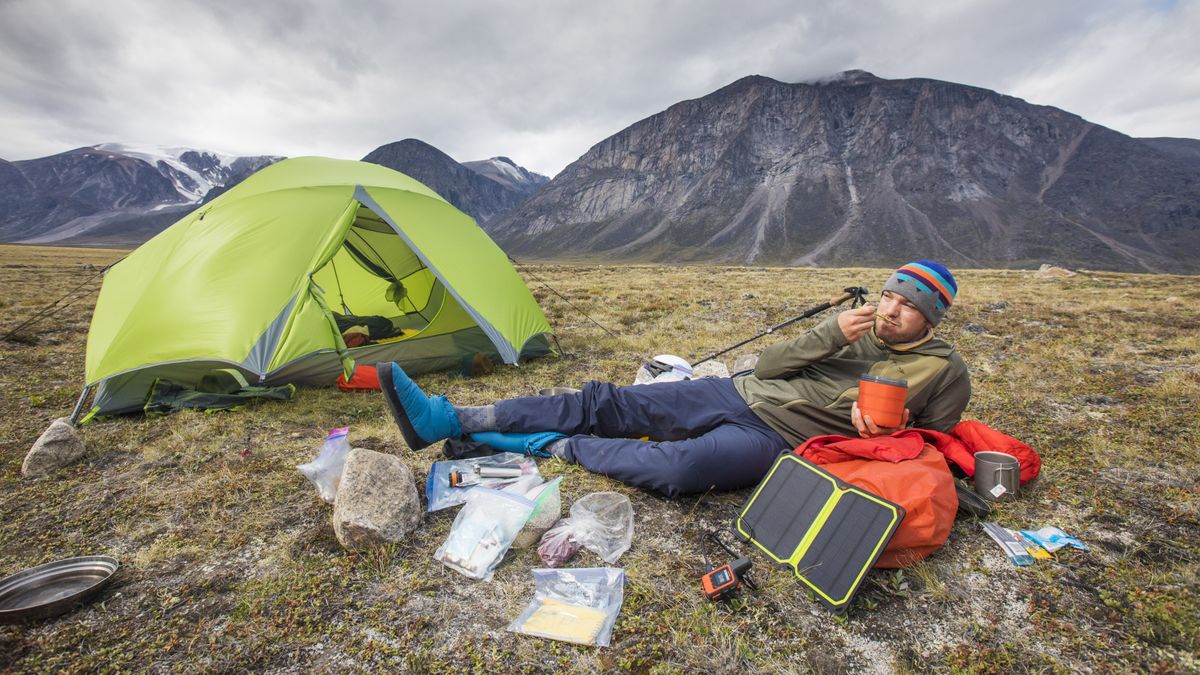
[806,387]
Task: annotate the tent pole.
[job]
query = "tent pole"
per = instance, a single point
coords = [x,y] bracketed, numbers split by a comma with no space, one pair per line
[79,404]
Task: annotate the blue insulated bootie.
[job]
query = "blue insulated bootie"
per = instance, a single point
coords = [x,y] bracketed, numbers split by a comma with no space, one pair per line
[526,444]
[422,420]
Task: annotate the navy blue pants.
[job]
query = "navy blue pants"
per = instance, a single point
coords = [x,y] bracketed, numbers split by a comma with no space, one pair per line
[703,434]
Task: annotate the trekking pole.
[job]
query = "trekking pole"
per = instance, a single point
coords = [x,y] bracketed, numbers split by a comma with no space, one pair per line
[855,293]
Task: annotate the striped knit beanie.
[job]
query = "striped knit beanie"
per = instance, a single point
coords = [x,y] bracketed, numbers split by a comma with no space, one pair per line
[927,285]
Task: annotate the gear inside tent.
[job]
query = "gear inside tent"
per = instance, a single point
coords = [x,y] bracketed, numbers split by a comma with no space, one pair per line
[277,275]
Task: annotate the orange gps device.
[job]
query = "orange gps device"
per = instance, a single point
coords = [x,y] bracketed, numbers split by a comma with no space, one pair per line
[724,579]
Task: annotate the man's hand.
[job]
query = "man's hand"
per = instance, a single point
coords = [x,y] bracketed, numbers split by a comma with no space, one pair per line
[856,323]
[867,427]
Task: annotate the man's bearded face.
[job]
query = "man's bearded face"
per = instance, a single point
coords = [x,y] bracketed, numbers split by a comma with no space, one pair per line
[908,324]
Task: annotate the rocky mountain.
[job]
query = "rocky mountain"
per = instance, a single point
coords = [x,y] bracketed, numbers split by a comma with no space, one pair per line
[506,172]
[118,195]
[859,170]
[471,190]
[110,193]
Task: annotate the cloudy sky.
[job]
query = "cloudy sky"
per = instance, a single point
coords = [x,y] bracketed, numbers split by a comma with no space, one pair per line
[542,82]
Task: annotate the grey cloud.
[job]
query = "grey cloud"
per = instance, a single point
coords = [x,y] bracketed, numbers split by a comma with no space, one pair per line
[540,82]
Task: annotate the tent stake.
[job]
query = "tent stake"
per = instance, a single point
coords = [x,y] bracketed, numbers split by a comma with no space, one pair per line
[79,404]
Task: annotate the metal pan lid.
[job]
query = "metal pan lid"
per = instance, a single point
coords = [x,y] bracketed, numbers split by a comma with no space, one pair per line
[884,380]
[54,587]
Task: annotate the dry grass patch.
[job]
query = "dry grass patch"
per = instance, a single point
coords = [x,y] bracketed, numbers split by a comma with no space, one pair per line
[230,562]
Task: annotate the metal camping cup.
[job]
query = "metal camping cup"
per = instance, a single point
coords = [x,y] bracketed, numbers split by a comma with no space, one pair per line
[883,399]
[996,474]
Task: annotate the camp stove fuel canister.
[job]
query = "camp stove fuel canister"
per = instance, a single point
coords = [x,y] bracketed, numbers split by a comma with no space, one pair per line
[722,581]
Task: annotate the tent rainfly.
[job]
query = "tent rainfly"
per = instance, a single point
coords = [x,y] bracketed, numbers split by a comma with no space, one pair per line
[255,281]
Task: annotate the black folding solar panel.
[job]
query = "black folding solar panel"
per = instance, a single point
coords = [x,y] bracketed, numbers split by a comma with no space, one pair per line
[829,531]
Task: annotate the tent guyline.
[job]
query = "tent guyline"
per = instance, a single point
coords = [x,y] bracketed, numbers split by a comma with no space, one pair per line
[554,336]
[45,311]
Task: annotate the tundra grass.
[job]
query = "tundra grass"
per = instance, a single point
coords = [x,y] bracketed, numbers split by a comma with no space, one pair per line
[229,560]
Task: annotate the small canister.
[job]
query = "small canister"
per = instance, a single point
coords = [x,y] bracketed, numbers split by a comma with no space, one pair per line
[882,399]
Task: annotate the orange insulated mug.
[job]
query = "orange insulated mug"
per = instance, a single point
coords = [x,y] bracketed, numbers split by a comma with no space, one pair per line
[882,399]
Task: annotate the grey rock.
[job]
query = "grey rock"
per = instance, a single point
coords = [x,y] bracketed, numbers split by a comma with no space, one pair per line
[377,500]
[996,306]
[1048,271]
[58,446]
[711,368]
[745,362]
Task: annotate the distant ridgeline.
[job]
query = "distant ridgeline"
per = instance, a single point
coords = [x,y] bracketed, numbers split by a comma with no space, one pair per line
[111,194]
[847,170]
[121,196]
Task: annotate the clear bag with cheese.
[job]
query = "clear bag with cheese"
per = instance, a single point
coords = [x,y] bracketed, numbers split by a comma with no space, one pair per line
[574,605]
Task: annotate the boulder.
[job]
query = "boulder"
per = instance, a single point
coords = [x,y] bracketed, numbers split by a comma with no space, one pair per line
[377,500]
[58,446]
[711,368]
[1048,271]
[745,362]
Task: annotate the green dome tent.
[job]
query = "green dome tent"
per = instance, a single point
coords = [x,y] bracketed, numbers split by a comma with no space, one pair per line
[252,281]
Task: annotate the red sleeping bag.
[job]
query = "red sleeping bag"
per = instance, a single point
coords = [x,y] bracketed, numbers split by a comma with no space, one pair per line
[910,468]
[902,469]
[972,437]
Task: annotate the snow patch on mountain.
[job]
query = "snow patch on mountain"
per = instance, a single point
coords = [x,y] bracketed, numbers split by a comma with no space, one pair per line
[506,172]
[193,172]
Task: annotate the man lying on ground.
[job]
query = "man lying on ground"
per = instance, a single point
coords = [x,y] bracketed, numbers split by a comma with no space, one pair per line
[724,433]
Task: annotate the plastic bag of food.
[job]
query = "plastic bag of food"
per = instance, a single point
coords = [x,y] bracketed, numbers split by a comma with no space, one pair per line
[557,545]
[574,605]
[549,499]
[485,528]
[442,492]
[602,522]
[325,471]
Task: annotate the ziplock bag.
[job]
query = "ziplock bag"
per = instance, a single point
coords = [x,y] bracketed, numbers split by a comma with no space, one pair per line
[439,494]
[325,471]
[549,508]
[574,605]
[602,522]
[557,545]
[485,528]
